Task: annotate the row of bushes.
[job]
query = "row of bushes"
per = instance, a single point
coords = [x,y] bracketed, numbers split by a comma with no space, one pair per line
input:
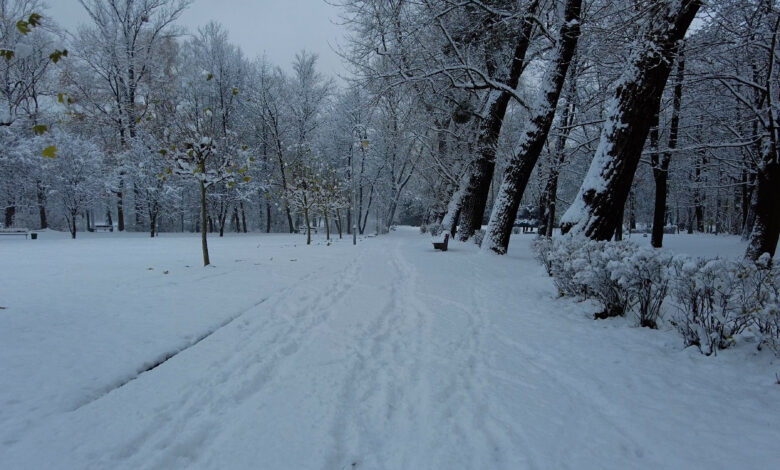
[711,303]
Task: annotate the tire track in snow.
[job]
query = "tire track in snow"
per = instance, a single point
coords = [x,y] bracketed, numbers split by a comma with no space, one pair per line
[260,347]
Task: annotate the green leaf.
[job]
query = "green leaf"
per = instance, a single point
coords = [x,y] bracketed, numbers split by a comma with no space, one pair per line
[34,19]
[163,152]
[247,179]
[8,54]
[61,98]
[23,27]
[50,152]
[209,77]
[40,129]
[235,91]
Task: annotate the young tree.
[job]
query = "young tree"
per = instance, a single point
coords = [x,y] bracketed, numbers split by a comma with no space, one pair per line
[76,175]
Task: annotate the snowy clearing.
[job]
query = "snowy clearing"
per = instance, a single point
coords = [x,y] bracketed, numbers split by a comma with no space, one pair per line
[388,355]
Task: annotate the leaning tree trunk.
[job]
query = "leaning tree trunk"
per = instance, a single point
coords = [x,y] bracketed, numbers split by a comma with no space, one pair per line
[532,141]
[606,186]
[473,191]
[660,163]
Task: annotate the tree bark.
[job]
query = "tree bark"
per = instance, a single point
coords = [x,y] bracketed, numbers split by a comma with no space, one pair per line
[608,181]
[532,142]
[42,207]
[766,207]
[473,192]
[660,163]
[203,240]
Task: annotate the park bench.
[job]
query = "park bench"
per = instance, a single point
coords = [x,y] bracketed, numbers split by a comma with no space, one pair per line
[442,245]
[103,228]
[14,231]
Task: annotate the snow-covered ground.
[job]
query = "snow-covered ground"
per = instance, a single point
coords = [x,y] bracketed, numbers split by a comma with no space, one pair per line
[388,355]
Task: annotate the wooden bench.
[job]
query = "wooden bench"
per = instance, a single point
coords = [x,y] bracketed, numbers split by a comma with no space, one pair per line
[442,245]
[15,231]
[103,228]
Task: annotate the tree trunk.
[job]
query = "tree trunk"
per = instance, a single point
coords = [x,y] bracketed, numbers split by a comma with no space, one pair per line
[89,226]
[608,181]
[660,163]
[203,241]
[327,227]
[766,204]
[268,216]
[120,210]
[10,214]
[243,217]
[72,227]
[42,207]
[549,198]
[306,220]
[532,141]
[474,193]
[338,222]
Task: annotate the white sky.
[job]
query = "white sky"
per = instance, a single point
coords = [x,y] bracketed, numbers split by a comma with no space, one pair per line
[278,28]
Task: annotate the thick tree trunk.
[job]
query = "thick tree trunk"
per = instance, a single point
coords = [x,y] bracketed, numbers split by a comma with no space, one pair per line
[766,207]
[608,181]
[532,142]
[203,234]
[474,193]
[327,227]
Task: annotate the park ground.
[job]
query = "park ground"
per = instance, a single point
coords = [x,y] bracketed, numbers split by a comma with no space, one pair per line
[120,351]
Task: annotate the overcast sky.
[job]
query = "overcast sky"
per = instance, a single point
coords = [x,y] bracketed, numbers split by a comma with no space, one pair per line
[278,28]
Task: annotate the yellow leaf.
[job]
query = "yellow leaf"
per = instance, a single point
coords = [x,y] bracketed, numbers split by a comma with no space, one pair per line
[50,152]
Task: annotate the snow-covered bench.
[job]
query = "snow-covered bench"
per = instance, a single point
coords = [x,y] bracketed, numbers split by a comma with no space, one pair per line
[15,231]
[103,228]
[442,245]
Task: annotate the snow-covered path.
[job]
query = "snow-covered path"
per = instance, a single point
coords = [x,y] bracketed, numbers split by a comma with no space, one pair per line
[393,356]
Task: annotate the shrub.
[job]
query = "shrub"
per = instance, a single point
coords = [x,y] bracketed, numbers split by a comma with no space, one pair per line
[435,229]
[645,277]
[423,229]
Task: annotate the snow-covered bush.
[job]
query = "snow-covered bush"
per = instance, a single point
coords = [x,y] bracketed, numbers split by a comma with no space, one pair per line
[594,266]
[543,247]
[718,299]
[435,229]
[478,236]
[645,277]
[423,229]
